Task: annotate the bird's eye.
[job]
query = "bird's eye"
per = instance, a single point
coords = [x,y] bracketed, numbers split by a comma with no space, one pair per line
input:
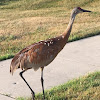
[79,8]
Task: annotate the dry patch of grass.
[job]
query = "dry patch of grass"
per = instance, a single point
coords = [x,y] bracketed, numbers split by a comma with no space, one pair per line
[25,22]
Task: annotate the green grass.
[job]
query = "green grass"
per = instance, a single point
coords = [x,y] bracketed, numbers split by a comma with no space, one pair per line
[7,56]
[23,22]
[83,88]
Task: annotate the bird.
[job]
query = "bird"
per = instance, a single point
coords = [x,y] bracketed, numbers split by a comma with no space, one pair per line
[40,54]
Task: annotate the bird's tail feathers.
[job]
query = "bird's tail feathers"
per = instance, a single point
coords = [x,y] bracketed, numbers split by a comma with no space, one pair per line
[15,64]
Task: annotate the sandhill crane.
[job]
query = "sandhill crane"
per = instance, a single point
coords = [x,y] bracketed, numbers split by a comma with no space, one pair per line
[39,55]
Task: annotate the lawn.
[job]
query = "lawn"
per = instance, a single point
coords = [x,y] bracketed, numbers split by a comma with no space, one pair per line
[83,88]
[23,22]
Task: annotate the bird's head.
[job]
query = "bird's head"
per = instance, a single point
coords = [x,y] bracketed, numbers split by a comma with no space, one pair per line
[78,10]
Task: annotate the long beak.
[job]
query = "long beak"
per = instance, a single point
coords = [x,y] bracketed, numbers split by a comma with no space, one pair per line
[85,10]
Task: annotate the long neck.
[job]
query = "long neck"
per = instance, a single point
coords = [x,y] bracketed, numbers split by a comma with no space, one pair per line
[67,32]
[64,37]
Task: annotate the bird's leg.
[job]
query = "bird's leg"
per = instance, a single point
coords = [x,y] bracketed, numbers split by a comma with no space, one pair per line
[33,94]
[42,82]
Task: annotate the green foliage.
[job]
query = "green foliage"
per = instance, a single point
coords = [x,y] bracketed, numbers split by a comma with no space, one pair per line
[75,37]
[7,56]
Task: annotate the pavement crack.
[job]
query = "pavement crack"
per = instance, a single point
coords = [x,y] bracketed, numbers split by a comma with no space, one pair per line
[7,95]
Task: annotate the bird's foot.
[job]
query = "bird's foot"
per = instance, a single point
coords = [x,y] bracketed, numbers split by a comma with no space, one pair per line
[33,95]
[43,97]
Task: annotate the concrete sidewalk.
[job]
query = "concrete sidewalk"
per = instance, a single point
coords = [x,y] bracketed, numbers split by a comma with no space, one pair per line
[76,59]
